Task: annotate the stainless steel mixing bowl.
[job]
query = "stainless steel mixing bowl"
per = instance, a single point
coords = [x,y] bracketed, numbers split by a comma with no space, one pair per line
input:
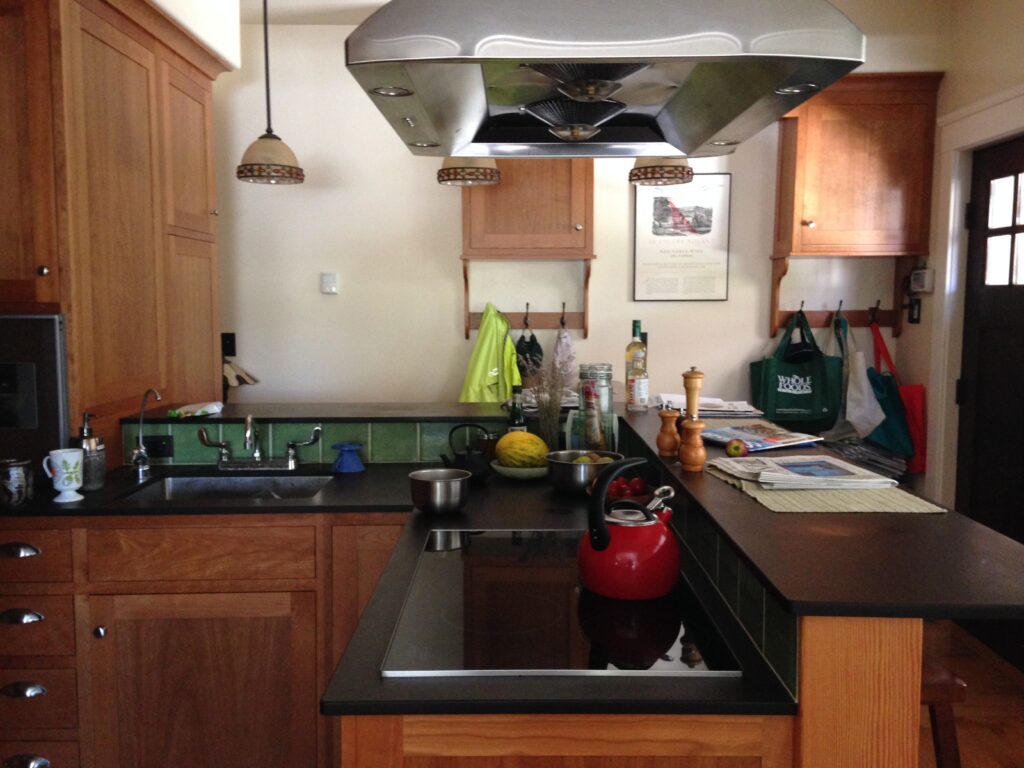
[439,490]
[566,475]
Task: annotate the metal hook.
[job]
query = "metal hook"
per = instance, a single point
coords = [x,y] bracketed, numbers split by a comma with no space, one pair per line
[873,311]
[801,306]
[561,320]
[840,307]
[526,317]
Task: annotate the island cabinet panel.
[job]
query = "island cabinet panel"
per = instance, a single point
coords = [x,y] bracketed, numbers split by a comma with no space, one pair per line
[59,754]
[42,625]
[36,555]
[205,681]
[568,741]
[860,692]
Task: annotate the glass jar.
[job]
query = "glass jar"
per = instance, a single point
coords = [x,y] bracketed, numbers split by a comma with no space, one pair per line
[593,427]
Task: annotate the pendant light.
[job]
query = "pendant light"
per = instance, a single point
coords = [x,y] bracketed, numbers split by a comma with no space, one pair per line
[660,171]
[469,172]
[268,160]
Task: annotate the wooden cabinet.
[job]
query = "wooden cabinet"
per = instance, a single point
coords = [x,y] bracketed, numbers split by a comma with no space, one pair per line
[29,272]
[201,641]
[203,680]
[105,108]
[543,210]
[855,171]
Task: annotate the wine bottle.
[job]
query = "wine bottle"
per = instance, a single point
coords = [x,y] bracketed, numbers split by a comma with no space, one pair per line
[516,415]
[637,395]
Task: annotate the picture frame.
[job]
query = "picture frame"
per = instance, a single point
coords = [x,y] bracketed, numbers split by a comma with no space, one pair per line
[681,240]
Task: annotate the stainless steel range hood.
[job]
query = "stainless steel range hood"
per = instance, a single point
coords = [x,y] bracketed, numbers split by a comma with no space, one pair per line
[500,78]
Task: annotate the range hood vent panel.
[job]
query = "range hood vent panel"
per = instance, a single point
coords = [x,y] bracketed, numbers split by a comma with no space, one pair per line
[706,76]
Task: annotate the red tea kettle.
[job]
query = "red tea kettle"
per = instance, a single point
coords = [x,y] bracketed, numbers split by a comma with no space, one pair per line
[628,553]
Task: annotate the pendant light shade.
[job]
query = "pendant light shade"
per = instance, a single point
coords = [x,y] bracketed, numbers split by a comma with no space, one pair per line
[469,172]
[661,171]
[268,160]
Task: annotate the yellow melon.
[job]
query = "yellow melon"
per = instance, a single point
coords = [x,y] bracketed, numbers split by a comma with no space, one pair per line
[521,449]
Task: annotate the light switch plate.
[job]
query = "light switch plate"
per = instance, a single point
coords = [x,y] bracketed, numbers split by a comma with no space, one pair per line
[922,280]
[329,283]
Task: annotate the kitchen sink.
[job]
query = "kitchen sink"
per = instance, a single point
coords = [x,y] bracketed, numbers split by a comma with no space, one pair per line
[214,488]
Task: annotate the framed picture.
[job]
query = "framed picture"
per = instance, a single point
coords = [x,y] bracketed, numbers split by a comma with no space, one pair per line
[681,250]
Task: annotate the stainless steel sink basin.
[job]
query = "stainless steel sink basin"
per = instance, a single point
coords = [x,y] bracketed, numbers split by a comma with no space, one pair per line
[214,488]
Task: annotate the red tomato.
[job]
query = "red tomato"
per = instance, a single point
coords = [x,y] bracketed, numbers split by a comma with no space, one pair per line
[624,492]
[638,486]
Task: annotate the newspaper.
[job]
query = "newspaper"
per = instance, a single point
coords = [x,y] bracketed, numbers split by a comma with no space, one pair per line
[802,473]
[710,407]
[758,436]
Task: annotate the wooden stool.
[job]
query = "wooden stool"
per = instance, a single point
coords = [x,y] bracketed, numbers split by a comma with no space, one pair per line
[940,690]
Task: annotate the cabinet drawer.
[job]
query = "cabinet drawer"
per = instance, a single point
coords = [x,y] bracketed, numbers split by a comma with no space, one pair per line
[56,708]
[35,556]
[191,554]
[19,754]
[37,625]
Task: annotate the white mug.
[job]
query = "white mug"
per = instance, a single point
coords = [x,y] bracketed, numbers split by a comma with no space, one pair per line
[64,466]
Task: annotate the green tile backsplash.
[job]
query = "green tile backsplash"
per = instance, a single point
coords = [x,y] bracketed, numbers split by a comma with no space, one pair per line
[188,449]
[394,442]
[282,434]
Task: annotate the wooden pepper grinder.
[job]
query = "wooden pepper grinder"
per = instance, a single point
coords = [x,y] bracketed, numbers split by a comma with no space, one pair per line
[692,453]
[668,436]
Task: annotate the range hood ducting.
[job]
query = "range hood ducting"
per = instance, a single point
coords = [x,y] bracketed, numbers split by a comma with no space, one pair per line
[693,78]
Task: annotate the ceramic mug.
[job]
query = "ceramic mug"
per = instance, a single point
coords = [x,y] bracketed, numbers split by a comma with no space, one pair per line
[64,467]
[15,482]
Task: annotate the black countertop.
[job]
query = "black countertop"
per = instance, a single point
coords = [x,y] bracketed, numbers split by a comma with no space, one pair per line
[334,412]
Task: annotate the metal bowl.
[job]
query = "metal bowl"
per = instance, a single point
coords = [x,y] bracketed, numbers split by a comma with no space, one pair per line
[571,477]
[439,491]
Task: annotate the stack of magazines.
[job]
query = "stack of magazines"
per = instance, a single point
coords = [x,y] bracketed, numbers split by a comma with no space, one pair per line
[882,461]
[710,407]
[814,472]
[758,436]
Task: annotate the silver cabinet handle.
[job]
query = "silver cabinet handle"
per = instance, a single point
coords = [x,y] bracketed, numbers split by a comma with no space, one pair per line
[17,549]
[100,632]
[579,227]
[20,616]
[42,270]
[214,212]
[26,761]
[23,690]
[810,223]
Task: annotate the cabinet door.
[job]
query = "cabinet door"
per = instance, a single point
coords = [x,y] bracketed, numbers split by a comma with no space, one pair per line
[193,320]
[542,209]
[188,153]
[116,311]
[201,680]
[28,258]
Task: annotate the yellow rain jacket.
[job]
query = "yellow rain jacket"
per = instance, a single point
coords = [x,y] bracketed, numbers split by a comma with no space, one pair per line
[492,370]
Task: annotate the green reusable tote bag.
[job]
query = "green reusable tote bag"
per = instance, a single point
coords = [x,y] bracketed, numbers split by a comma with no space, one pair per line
[799,386]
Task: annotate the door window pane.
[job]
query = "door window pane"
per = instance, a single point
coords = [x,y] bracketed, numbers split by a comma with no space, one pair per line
[997,261]
[1000,202]
[1018,260]
[1020,196]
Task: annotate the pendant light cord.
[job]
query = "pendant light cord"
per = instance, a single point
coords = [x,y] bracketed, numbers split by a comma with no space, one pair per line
[266,64]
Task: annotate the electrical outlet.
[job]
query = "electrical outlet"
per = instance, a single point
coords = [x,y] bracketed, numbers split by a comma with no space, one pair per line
[159,446]
[227,345]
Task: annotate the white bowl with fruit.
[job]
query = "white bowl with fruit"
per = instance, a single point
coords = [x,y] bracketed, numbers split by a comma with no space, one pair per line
[520,455]
[574,471]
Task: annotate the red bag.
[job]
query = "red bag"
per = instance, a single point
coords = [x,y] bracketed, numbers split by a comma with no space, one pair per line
[912,397]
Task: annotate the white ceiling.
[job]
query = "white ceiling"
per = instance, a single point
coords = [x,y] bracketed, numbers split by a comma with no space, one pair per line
[309,11]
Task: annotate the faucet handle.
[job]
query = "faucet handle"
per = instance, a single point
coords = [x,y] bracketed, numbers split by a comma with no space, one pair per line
[223,448]
[314,438]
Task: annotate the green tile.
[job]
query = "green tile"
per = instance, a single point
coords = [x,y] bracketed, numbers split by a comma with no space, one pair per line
[188,449]
[130,437]
[728,575]
[751,604]
[394,442]
[781,640]
[345,432]
[234,436]
[434,439]
[282,434]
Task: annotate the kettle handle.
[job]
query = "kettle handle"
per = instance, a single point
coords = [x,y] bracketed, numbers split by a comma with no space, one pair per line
[456,428]
[598,533]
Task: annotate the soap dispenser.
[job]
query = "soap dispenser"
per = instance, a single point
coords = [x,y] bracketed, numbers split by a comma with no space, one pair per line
[94,456]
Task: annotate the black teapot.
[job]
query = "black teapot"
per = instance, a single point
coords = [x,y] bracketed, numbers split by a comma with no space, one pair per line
[472,459]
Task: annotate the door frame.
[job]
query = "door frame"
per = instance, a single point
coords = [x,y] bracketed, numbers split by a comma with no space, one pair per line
[987,121]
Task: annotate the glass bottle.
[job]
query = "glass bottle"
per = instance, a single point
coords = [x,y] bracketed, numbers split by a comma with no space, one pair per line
[637,395]
[516,415]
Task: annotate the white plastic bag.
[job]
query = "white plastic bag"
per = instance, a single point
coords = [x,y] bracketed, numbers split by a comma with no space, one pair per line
[862,409]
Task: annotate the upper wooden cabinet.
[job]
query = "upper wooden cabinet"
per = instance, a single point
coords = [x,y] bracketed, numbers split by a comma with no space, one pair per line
[542,209]
[855,169]
[29,272]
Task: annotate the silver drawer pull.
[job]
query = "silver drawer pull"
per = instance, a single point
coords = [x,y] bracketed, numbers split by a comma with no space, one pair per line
[16,549]
[20,616]
[23,690]
[26,761]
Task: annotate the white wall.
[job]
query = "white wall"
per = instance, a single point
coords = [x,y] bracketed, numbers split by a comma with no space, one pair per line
[215,24]
[373,212]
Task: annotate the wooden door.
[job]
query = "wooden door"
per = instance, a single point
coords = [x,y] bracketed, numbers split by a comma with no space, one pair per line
[116,311]
[205,681]
[187,109]
[28,255]
[989,456]
[193,320]
[542,209]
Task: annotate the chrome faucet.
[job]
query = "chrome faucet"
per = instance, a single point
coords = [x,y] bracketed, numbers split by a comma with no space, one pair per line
[251,439]
[140,456]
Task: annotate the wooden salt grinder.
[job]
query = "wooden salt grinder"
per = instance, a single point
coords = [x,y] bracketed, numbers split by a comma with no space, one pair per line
[692,453]
[668,437]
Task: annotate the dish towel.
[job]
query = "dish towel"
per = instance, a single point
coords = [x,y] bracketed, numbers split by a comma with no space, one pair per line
[491,372]
[565,355]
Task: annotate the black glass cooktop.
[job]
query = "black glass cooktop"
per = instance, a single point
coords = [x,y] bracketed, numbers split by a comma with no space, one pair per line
[509,603]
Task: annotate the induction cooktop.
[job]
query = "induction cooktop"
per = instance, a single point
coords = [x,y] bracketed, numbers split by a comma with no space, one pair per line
[484,603]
